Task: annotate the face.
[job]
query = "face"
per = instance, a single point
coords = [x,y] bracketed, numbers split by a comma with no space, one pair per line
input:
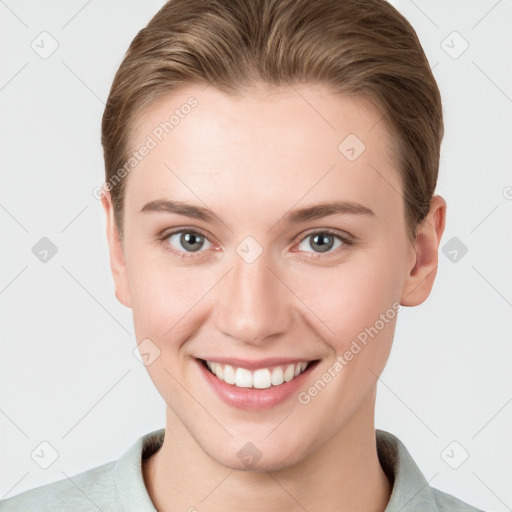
[229,258]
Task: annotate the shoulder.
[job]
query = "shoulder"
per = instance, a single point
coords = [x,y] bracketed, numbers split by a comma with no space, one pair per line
[112,487]
[91,490]
[448,503]
[411,491]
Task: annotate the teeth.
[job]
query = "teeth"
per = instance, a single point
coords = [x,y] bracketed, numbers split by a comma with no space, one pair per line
[277,376]
[243,378]
[260,379]
[289,373]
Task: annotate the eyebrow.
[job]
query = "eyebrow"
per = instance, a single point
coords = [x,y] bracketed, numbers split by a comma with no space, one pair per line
[297,216]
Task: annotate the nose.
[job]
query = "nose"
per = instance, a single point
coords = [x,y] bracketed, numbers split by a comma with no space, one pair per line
[254,304]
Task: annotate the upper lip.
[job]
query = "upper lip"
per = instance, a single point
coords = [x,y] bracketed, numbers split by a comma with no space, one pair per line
[253,364]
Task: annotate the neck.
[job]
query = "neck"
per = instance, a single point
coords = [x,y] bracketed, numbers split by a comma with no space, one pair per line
[343,475]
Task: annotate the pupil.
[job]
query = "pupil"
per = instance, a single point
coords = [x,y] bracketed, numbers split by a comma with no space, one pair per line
[323,242]
[189,239]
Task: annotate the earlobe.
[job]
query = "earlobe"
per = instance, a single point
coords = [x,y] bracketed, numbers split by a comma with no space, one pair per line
[420,278]
[117,259]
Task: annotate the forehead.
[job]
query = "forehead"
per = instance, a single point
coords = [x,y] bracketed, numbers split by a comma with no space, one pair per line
[297,142]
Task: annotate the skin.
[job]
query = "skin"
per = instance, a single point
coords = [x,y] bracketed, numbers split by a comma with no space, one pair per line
[252,158]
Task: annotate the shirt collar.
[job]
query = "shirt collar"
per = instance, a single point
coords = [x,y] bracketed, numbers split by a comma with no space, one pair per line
[129,479]
[410,490]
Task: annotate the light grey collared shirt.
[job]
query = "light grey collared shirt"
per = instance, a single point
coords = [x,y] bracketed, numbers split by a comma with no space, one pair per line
[118,486]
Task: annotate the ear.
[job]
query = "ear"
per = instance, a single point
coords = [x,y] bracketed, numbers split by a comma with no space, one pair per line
[419,282]
[117,260]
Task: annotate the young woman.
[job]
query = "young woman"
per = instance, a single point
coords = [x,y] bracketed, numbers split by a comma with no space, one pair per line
[270,176]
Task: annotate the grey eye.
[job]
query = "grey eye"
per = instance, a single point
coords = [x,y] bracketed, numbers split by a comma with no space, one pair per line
[320,242]
[189,241]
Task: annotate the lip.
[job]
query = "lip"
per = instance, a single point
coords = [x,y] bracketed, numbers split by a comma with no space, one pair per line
[251,398]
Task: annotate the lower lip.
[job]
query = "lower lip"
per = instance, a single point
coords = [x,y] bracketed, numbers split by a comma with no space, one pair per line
[253,398]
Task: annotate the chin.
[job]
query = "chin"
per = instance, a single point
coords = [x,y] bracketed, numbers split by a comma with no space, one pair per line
[263,465]
[257,457]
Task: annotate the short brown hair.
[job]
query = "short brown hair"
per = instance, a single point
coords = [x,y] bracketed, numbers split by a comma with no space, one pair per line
[356,47]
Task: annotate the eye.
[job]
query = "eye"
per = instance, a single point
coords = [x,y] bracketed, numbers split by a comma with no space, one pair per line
[185,241]
[323,241]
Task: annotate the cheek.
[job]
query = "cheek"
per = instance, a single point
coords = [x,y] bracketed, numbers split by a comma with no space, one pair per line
[344,300]
[162,295]
[166,310]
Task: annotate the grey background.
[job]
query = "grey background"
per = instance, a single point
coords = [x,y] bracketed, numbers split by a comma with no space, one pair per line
[68,375]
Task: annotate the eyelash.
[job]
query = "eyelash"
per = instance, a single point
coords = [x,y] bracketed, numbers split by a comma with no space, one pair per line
[184,255]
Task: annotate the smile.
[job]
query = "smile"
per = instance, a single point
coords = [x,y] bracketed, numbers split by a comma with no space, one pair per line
[261,378]
[255,385]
